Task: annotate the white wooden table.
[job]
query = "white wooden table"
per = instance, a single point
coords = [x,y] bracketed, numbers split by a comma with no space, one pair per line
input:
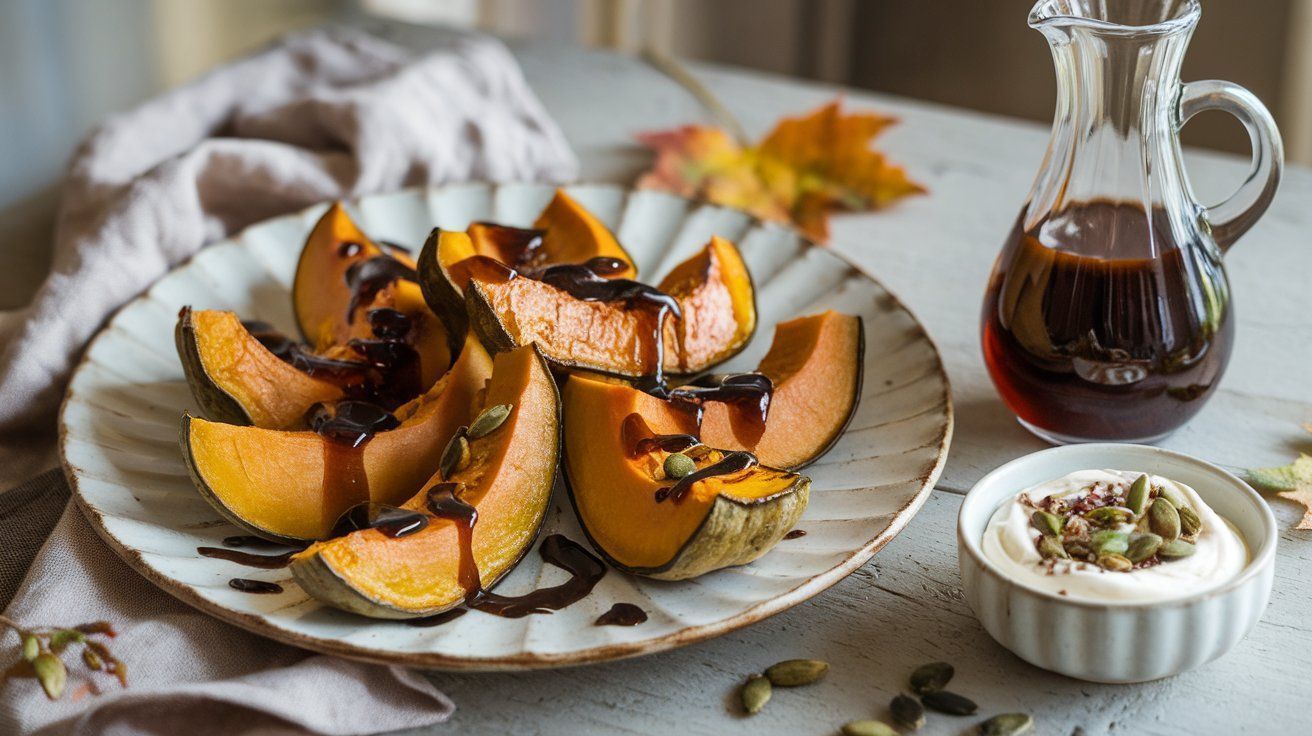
[905,607]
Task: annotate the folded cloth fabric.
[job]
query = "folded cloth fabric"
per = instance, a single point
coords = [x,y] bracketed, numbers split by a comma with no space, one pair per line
[319,115]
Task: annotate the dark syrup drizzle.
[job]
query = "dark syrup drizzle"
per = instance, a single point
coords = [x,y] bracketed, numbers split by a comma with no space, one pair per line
[290,351]
[622,614]
[250,540]
[584,568]
[747,394]
[518,246]
[731,463]
[254,586]
[263,562]
[638,437]
[795,534]
[391,521]
[347,426]
[368,277]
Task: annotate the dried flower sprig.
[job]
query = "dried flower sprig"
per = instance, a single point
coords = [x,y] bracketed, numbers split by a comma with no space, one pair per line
[43,646]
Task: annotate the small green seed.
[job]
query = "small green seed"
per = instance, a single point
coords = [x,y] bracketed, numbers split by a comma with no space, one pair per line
[1109,516]
[1049,525]
[1173,495]
[1189,522]
[796,672]
[930,677]
[679,465]
[1051,549]
[1007,724]
[489,421]
[1110,542]
[907,712]
[31,647]
[1175,550]
[868,728]
[456,455]
[1136,500]
[1164,520]
[755,694]
[1143,546]
[1115,563]
[949,702]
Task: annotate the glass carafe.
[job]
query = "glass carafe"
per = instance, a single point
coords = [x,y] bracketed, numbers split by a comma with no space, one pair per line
[1108,313]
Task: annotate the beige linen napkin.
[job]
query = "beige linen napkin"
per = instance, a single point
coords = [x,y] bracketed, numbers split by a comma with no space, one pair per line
[319,115]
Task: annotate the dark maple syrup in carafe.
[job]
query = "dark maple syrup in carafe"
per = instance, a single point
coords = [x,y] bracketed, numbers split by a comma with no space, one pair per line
[1125,345]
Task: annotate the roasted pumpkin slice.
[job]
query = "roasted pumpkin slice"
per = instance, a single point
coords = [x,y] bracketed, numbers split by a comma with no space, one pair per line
[292,486]
[616,486]
[572,234]
[236,379]
[508,480]
[712,289]
[565,232]
[331,311]
[815,364]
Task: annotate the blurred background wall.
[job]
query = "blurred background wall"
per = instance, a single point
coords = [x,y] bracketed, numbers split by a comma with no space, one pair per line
[66,63]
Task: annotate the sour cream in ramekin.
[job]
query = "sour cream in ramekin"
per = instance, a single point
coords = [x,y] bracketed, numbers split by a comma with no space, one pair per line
[1011,543]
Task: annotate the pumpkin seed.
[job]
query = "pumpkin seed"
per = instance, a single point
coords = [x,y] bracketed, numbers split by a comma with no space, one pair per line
[755,694]
[1049,525]
[949,702]
[1110,542]
[31,647]
[1051,549]
[679,465]
[456,455]
[1078,548]
[489,421]
[1136,499]
[1143,546]
[796,672]
[51,674]
[1173,495]
[907,712]
[1115,563]
[931,677]
[1109,516]
[1189,522]
[1007,724]
[1176,550]
[92,659]
[1164,520]
[868,728]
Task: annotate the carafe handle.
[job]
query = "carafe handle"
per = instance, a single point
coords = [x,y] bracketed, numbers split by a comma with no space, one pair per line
[1232,217]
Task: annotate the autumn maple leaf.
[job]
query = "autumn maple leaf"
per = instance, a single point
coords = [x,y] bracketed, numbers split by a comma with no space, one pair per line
[1292,482]
[804,169]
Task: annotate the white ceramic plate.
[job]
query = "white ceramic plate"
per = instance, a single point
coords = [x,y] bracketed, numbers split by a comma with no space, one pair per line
[120,422]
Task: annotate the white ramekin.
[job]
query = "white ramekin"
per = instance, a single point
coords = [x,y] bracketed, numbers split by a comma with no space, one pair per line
[1117,642]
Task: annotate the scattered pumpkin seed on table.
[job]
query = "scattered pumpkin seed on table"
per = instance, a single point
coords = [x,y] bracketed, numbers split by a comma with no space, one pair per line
[949,703]
[907,712]
[868,728]
[930,677]
[755,694]
[1007,724]
[796,672]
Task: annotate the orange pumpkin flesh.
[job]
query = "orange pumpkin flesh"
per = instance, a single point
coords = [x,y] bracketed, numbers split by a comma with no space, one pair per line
[235,379]
[713,289]
[271,482]
[815,364]
[321,297]
[724,520]
[571,234]
[508,480]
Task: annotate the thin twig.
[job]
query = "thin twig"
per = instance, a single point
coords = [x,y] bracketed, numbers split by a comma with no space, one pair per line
[681,76]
